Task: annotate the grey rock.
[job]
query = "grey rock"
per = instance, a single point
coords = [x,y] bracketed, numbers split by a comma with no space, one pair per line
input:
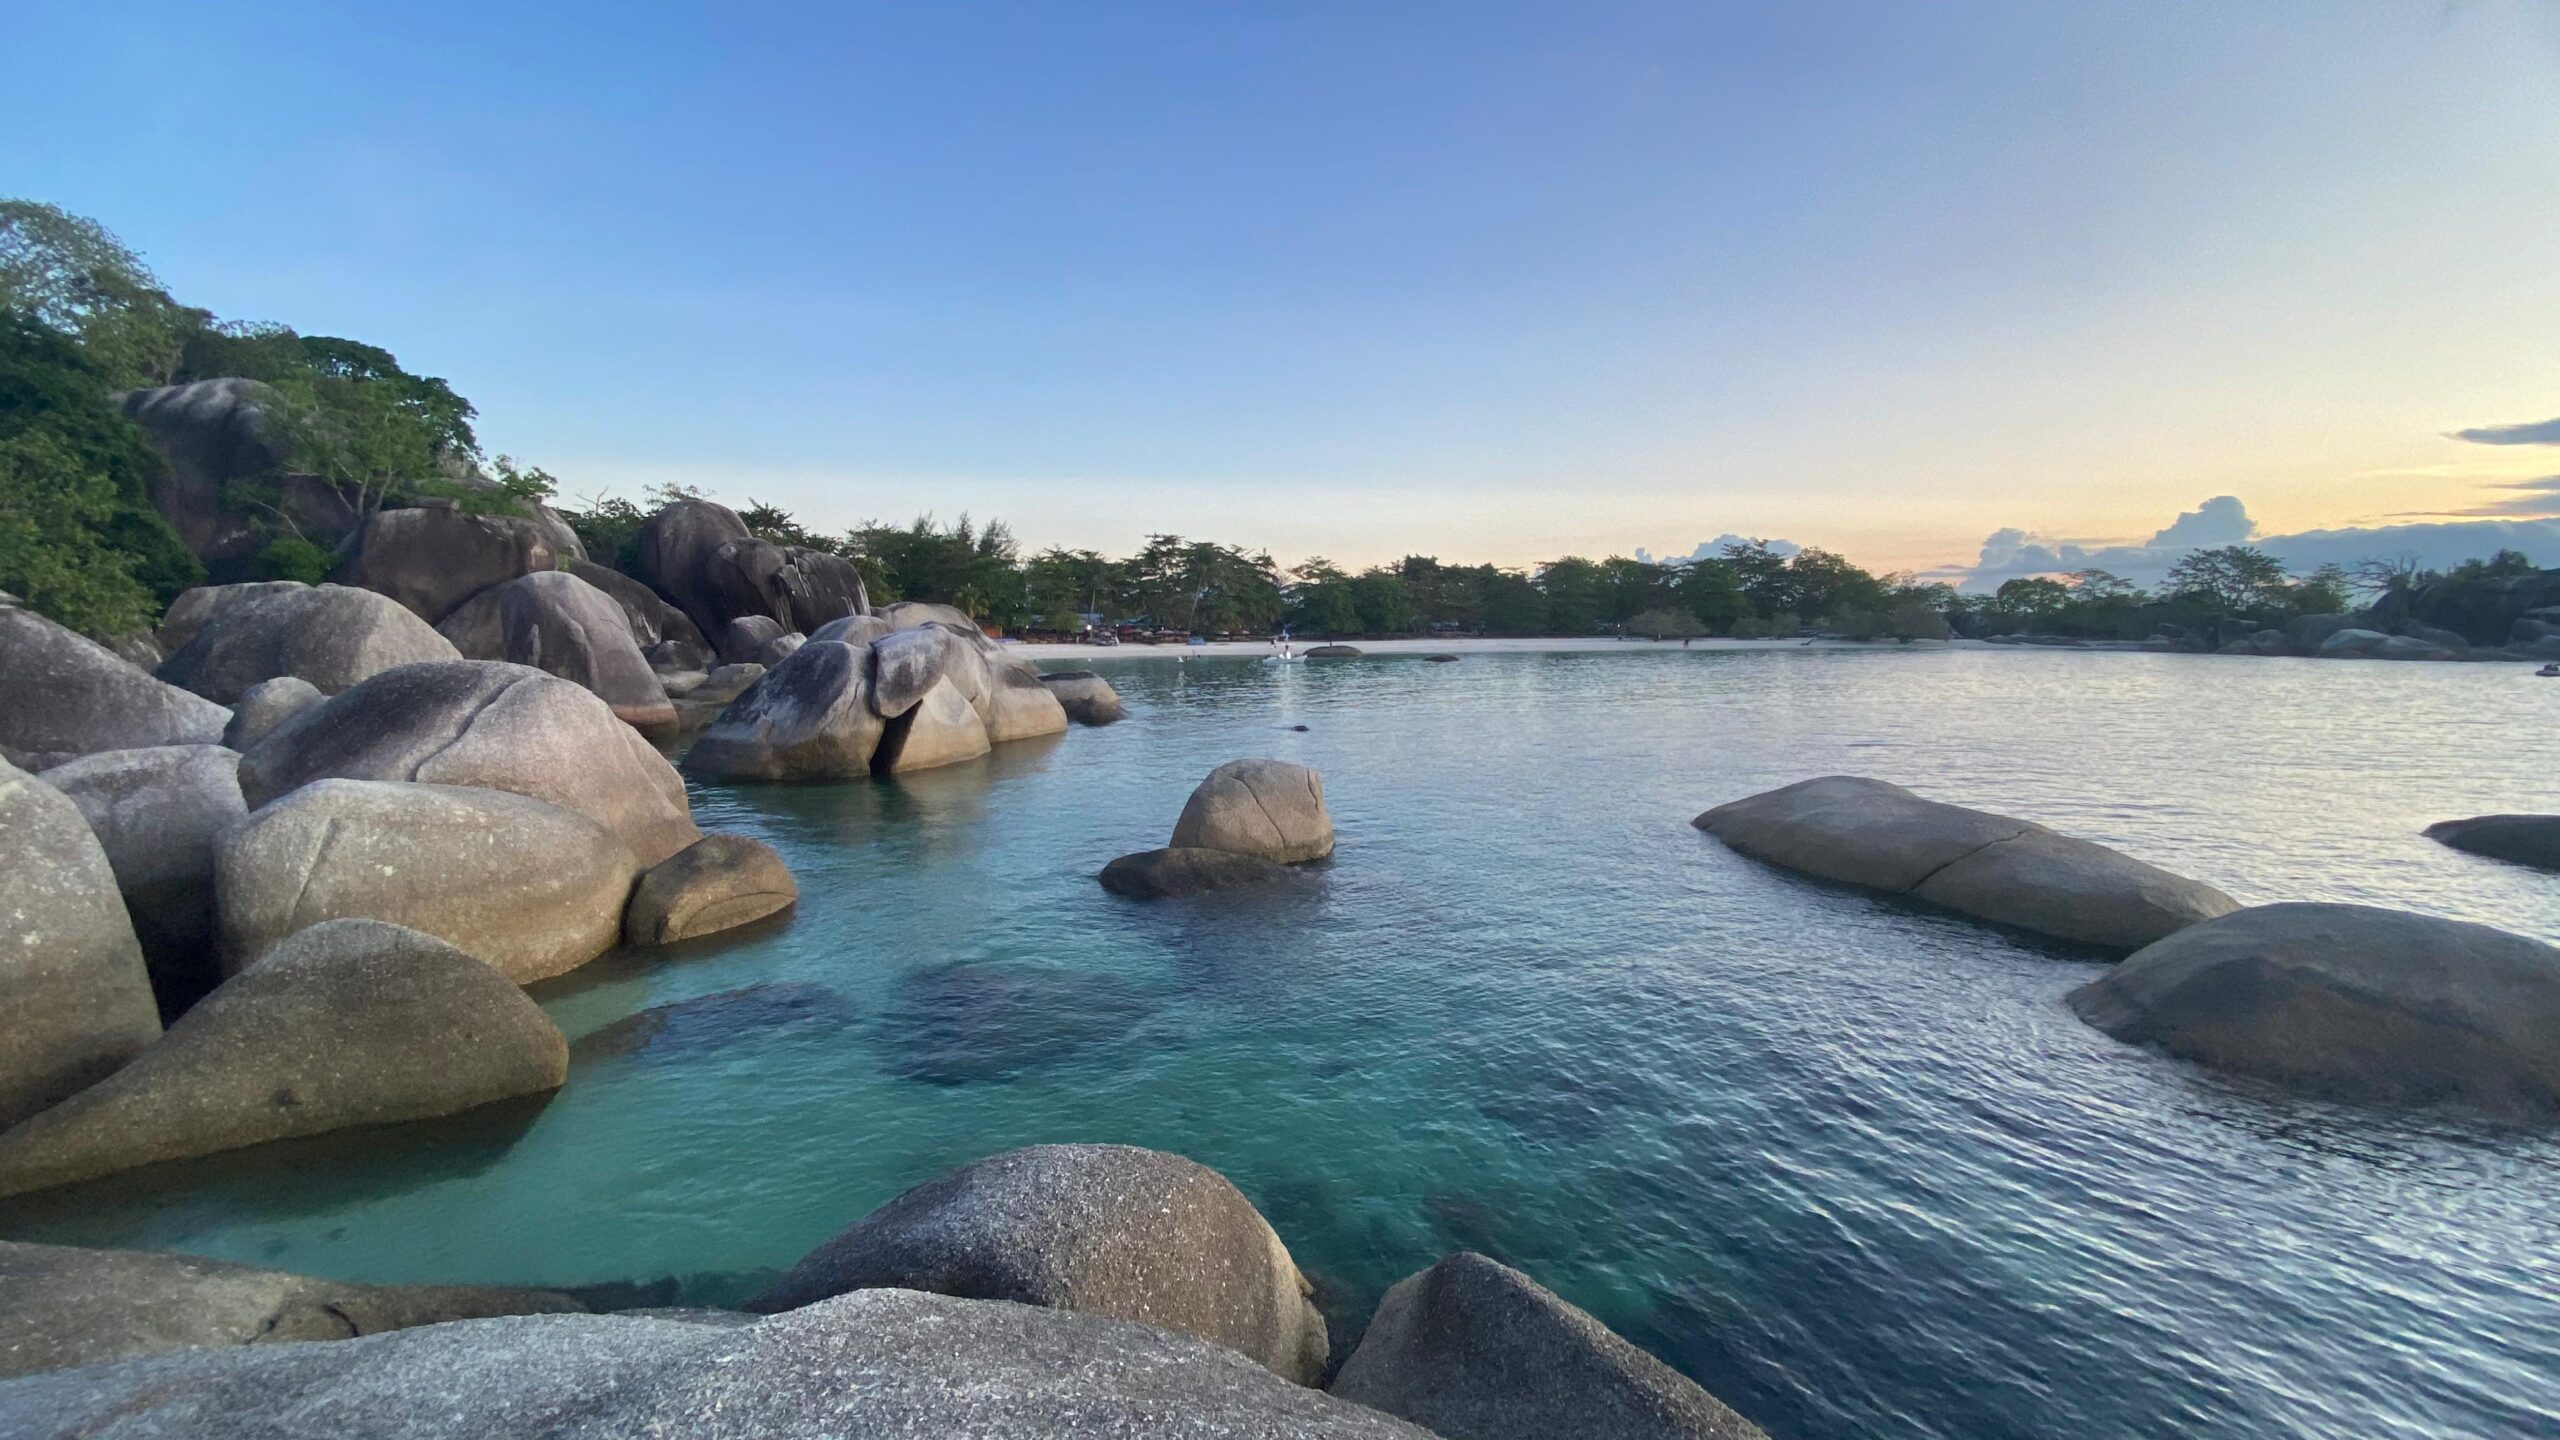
[136,648]
[264,707]
[941,729]
[907,663]
[1266,808]
[350,1022]
[719,882]
[878,1364]
[157,814]
[1018,706]
[489,724]
[744,639]
[330,635]
[910,614]
[2305,634]
[854,630]
[2351,642]
[561,625]
[728,682]
[2349,1001]
[214,434]
[1865,832]
[1334,652]
[777,649]
[62,1306]
[2432,635]
[2521,839]
[62,694]
[701,557]
[808,718]
[1472,1349]
[432,558]
[1110,1230]
[664,633]
[1087,698]
[1173,872]
[75,999]
[2405,647]
[194,609]
[527,886]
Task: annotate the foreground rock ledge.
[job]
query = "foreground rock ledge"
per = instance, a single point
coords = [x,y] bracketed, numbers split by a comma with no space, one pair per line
[2352,1002]
[877,1363]
[1104,1229]
[2010,872]
[1475,1350]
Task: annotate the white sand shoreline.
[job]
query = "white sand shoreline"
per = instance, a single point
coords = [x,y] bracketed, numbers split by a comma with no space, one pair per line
[1251,649]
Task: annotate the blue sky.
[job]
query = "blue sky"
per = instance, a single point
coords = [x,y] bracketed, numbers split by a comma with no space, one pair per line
[1489,281]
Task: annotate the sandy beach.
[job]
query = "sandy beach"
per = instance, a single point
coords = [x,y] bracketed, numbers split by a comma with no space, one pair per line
[1249,649]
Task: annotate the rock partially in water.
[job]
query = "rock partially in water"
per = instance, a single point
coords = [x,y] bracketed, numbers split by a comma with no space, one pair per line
[1087,698]
[2013,872]
[1188,870]
[878,1363]
[351,1022]
[700,556]
[1270,809]
[970,1022]
[557,623]
[905,664]
[62,1306]
[263,708]
[1472,1349]
[2349,1001]
[73,988]
[808,718]
[719,882]
[2520,839]
[157,814]
[533,889]
[942,728]
[1334,652]
[1102,1229]
[63,695]
[1019,706]
[711,1023]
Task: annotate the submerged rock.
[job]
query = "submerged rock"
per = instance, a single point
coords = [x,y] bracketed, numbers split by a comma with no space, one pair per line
[1188,870]
[1087,698]
[808,718]
[707,1024]
[157,814]
[879,1363]
[970,1022]
[527,886]
[351,1022]
[557,623]
[2521,839]
[1472,1349]
[330,635]
[62,695]
[2013,872]
[1270,809]
[75,998]
[62,1306]
[2351,1001]
[719,882]
[1102,1229]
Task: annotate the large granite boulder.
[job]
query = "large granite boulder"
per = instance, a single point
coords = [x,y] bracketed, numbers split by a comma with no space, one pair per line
[1103,1229]
[941,729]
[75,998]
[1271,809]
[350,1022]
[533,889]
[263,708]
[62,695]
[1087,698]
[431,558]
[700,556]
[1864,832]
[854,630]
[489,724]
[2305,634]
[2522,839]
[1472,1349]
[673,556]
[560,624]
[2349,1001]
[194,609]
[808,718]
[214,434]
[2434,635]
[664,633]
[62,1306]
[880,1363]
[907,663]
[2358,644]
[743,640]
[333,636]
[157,814]
[910,614]
[1018,706]
[719,882]
[1188,870]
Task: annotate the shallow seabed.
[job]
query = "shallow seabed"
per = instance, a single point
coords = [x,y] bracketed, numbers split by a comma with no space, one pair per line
[1852,1165]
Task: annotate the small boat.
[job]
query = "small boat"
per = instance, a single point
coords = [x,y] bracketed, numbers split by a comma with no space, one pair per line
[2550,671]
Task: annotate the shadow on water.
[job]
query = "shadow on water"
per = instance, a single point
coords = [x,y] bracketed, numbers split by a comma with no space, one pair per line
[975,1022]
[705,1024]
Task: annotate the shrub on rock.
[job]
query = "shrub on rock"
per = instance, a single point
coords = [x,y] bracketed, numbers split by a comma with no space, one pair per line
[63,695]
[330,635]
[1188,870]
[61,1305]
[1103,1229]
[265,706]
[488,724]
[808,718]
[431,558]
[1271,809]
[533,889]
[1865,832]
[157,813]
[2351,1001]
[1472,1349]
[561,625]
[350,1022]
[75,998]
[2519,839]
[719,882]
[1087,698]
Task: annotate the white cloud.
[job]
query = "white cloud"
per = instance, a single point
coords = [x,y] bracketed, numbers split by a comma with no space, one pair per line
[2223,520]
[1711,549]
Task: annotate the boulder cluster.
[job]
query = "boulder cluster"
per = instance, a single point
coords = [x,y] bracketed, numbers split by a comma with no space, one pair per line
[1060,1290]
[2532,635]
[2348,1001]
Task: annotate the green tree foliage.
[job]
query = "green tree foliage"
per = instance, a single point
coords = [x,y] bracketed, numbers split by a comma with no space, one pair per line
[72,276]
[1664,625]
[2230,579]
[54,555]
[1577,595]
[963,564]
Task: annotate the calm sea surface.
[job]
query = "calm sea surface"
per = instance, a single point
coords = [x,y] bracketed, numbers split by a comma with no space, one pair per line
[1852,1165]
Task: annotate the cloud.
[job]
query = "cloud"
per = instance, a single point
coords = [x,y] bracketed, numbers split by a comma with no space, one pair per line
[2539,432]
[1711,549]
[2223,520]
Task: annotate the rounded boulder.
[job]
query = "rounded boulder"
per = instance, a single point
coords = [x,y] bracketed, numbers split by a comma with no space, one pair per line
[75,997]
[331,636]
[717,883]
[808,718]
[158,813]
[561,625]
[2518,839]
[431,558]
[62,694]
[264,707]
[1270,809]
[1087,698]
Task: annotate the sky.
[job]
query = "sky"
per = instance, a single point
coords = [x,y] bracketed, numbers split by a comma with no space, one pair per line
[1945,287]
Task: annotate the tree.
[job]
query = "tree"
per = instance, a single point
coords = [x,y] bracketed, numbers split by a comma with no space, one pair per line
[2031,598]
[1710,590]
[1512,605]
[1320,600]
[54,551]
[1825,583]
[1913,618]
[75,278]
[1664,625]
[1761,574]
[1384,605]
[2230,579]
[1573,587]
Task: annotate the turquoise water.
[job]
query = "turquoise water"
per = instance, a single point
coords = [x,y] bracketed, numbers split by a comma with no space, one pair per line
[1853,1165]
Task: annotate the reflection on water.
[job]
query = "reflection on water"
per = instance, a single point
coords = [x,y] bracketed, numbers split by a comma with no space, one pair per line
[1850,1163]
